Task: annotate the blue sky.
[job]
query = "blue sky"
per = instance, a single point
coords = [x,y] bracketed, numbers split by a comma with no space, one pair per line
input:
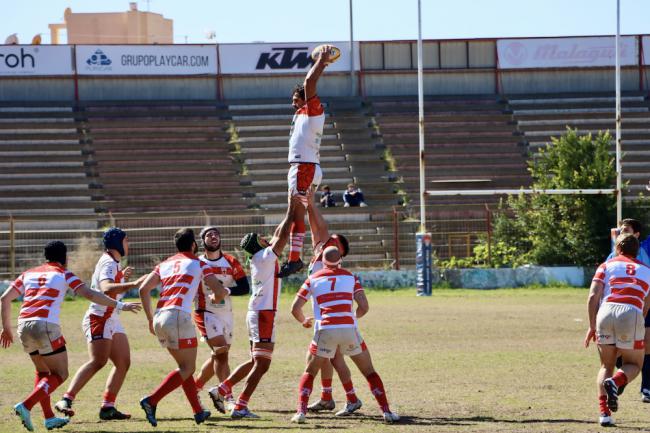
[308,20]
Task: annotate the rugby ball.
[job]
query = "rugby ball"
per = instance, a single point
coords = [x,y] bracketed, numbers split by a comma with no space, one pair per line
[335,53]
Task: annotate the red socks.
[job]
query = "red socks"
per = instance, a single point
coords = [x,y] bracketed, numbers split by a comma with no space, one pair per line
[170,383]
[192,394]
[242,402]
[620,379]
[296,239]
[225,388]
[43,389]
[602,405]
[46,405]
[108,399]
[350,393]
[304,391]
[326,389]
[199,384]
[377,389]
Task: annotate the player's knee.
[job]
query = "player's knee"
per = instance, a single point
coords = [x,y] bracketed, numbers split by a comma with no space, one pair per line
[97,364]
[219,351]
[122,364]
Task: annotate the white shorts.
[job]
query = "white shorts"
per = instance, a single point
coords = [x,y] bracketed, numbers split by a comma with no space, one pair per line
[101,328]
[40,337]
[620,324]
[303,176]
[211,325]
[261,326]
[327,341]
[174,329]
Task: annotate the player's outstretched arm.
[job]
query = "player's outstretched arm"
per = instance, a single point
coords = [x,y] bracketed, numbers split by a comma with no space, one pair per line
[593,302]
[113,289]
[6,336]
[102,299]
[281,235]
[315,72]
[150,283]
[317,225]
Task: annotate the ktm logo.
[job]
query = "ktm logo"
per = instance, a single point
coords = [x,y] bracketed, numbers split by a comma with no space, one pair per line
[285,58]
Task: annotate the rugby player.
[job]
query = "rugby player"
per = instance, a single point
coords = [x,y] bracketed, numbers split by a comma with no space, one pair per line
[43,289]
[215,321]
[332,290]
[179,277]
[261,316]
[105,335]
[618,301]
[304,155]
[320,240]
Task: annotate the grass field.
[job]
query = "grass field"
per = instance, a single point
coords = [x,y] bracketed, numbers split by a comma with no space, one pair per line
[460,361]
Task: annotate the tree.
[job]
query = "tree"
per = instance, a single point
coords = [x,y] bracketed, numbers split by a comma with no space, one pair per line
[563,229]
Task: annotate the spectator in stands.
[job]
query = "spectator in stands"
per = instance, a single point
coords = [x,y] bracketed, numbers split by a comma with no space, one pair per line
[326,197]
[353,197]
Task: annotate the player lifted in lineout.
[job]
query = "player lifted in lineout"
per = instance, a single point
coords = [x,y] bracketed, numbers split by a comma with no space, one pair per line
[304,154]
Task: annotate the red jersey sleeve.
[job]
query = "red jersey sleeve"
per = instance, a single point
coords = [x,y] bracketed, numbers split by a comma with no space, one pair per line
[357,285]
[18,285]
[314,107]
[600,273]
[73,281]
[305,290]
[237,269]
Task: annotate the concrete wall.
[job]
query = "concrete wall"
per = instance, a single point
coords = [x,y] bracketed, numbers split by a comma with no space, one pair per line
[268,86]
[551,81]
[475,82]
[36,89]
[147,88]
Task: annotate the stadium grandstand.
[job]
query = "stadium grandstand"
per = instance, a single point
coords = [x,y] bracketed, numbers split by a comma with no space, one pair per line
[151,150]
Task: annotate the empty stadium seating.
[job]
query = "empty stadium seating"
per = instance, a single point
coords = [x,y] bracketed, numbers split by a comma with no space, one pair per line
[540,117]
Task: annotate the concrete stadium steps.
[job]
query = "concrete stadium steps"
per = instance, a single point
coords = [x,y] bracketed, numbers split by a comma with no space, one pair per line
[150,156]
[539,118]
[44,167]
[471,143]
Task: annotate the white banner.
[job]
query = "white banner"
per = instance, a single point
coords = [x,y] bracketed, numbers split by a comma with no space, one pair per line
[280,58]
[646,50]
[146,59]
[21,60]
[565,52]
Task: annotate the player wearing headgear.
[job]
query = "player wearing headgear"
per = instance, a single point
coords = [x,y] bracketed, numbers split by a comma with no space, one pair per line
[43,289]
[322,239]
[179,277]
[304,155]
[105,335]
[215,321]
[333,290]
[261,315]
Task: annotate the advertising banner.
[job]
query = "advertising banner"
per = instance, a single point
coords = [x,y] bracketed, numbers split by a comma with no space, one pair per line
[280,58]
[582,52]
[35,60]
[146,59]
[423,250]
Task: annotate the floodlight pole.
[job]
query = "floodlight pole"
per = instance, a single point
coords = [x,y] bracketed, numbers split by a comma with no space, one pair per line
[423,195]
[351,53]
[619,176]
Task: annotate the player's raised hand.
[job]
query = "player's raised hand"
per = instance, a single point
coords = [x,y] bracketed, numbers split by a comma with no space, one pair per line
[591,336]
[128,272]
[6,338]
[325,53]
[133,307]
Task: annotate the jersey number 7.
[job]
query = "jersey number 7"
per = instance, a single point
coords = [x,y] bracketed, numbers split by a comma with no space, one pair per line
[333,280]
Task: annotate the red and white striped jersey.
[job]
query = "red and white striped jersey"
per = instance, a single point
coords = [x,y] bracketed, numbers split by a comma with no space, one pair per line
[180,276]
[266,285]
[332,294]
[43,289]
[108,269]
[228,270]
[307,132]
[626,281]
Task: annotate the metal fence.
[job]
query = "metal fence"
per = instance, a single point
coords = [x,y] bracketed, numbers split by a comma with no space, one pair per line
[378,240]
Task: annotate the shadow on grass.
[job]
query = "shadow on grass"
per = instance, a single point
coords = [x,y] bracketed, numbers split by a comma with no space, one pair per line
[417,420]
